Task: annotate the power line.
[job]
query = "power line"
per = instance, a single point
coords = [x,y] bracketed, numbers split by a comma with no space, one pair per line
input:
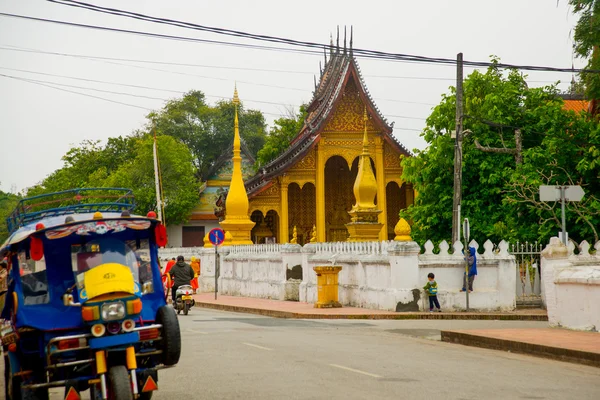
[83,56]
[280,40]
[54,84]
[26,50]
[75,92]
[165,90]
[157,35]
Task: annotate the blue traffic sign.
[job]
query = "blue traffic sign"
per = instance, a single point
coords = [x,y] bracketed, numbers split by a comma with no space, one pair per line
[216,236]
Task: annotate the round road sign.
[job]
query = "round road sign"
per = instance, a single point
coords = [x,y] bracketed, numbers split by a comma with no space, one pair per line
[216,236]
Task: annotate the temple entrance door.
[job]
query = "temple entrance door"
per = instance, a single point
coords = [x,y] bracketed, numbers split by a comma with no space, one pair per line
[302,210]
[339,198]
[395,202]
[266,228]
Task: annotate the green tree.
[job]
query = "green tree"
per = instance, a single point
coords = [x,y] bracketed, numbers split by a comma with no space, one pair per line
[8,202]
[87,165]
[586,41]
[128,162]
[179,184]
[280,135]
[207,130]
[499,193]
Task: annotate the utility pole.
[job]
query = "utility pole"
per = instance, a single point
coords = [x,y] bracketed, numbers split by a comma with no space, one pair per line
[458,150]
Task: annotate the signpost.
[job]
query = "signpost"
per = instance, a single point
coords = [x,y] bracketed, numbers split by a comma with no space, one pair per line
[467,234]
[563,194]
[216,237]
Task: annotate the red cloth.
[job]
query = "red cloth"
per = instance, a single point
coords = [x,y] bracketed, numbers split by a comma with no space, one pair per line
[169,265]
[194,283]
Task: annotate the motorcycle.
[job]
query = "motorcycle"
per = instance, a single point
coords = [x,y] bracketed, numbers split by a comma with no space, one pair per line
[185,300]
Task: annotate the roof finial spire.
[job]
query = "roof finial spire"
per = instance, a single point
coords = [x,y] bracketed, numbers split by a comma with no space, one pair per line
[236,99]
[325,54]
[344,39]
[330,45]
[337,40]
[315,79]
[351,37]
[320,69]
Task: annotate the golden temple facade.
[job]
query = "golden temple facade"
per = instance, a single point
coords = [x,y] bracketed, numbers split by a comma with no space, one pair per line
[311,183]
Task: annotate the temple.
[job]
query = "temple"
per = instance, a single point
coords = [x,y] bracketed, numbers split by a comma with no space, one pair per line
[311,183]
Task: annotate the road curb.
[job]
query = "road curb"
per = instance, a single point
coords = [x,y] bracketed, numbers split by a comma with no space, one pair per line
[397,316]
[538,350]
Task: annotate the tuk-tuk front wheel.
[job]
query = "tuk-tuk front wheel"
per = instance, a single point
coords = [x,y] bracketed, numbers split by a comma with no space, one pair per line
[171,336]
[119,384]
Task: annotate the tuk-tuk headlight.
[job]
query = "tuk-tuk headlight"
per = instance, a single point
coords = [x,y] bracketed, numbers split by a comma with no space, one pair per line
[113,311]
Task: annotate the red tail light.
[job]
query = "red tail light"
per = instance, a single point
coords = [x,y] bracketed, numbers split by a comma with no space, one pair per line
[71,344]
[149,334]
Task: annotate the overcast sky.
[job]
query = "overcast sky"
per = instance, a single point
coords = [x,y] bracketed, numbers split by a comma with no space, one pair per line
[39,124]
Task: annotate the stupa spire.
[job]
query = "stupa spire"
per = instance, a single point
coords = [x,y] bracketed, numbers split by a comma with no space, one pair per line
[236,221]
[364,213]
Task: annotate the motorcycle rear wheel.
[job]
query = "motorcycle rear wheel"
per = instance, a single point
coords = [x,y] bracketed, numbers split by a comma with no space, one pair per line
[185,308]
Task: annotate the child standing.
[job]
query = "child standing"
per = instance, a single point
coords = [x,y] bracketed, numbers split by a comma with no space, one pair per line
[432,289]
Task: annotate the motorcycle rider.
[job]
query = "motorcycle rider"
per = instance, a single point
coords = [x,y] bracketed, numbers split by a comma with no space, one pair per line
[181,274]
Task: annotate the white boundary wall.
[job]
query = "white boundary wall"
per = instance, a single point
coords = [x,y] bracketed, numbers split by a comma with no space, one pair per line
[377,275]
[571,285]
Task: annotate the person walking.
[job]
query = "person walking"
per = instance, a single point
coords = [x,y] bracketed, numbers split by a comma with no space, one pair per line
[195,264]
[181,274]
[432,288]
[472,260]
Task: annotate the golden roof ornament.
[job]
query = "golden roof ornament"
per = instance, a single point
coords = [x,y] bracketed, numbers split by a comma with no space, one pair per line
[365,224]
[313,234]
[402,231]
[294,236]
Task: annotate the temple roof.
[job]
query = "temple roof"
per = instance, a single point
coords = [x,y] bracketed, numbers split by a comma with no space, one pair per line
[575,102]
[338,70]
[225,158]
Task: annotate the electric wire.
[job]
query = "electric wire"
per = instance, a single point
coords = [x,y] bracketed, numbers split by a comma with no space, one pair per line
[220,67]
[74,92]
[313,45]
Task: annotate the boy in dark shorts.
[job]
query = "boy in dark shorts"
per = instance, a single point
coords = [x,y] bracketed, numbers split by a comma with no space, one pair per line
[432,289]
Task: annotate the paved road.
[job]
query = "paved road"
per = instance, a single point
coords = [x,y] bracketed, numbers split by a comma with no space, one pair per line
[240,356]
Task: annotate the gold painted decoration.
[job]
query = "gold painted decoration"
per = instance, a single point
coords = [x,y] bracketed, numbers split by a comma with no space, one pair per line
[402,231]
[294,236]
[391,158]
[348,114]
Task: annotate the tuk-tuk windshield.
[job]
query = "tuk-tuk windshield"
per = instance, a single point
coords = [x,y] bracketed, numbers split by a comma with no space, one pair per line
[134,254]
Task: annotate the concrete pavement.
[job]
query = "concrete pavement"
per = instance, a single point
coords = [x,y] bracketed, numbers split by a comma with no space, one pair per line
[242,356]
[237,356]
[295,309]
[559,344]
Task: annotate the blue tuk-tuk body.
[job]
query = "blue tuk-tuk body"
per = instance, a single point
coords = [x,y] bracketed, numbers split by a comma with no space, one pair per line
[84,306]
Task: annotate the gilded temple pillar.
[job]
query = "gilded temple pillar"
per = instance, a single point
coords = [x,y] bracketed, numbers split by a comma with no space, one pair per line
[320,194]
[284,230]
[381,199]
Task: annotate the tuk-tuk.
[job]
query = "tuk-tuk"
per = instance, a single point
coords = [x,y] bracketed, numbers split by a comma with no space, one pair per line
[84,307]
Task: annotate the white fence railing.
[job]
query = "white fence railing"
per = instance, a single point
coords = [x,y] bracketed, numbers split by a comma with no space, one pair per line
[375,248]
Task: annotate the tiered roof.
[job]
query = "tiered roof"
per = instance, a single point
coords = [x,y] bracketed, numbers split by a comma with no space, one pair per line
[335,75]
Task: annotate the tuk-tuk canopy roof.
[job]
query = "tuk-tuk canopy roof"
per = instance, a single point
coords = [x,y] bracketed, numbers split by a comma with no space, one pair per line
[56,226]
